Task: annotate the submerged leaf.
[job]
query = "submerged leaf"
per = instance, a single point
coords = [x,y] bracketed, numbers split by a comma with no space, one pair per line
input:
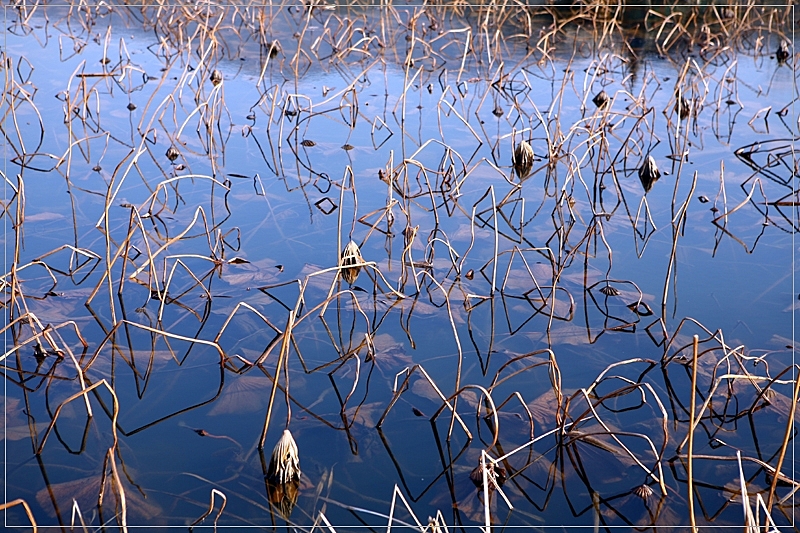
[246,394]
[85,491]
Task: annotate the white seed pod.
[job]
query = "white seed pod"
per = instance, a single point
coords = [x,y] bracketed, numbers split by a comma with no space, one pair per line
[649,173]
[608,290]
[601,99]
[274,48]
[351,255]
[683,107]
[216,77]
[284,465]
[644,492]
[523,159]
[782,54]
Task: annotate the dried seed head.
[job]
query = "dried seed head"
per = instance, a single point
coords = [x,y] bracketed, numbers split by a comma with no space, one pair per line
[351,255]
[644,492]
[523,159]
[284,465]
[498,111]
[782,54]
[172,153]
[608,290]
[683,107]
[274,48]
[649,173]
[495,471]
[433,526]
[216,77]
[39,353]
[601,99]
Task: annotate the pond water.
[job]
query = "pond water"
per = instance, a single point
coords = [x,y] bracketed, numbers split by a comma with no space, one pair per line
[181,181]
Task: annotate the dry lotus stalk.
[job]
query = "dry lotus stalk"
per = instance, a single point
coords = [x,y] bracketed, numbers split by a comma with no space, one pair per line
[284,465]
[523,159]
[649,173]
[351,255]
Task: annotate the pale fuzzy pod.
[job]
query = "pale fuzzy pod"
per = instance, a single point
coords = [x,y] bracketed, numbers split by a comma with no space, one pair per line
[523,159]
[644,492]
[351,255]
[216,77]
[783,52]
[600,99]
[683,107]
[284,465]
[649,173]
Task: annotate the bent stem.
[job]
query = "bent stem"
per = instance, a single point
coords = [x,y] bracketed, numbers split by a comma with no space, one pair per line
[692,407]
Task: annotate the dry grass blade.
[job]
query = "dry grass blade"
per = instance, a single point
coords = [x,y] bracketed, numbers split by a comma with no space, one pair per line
[692,410]
[24,504]
[84,393]
[214,492]
[790,422]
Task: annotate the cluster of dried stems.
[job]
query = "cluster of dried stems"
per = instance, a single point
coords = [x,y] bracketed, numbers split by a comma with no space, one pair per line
[186,122]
